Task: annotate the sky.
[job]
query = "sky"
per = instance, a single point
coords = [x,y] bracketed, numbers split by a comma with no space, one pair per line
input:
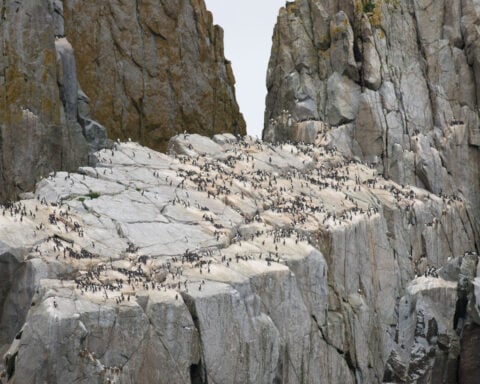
[248,27]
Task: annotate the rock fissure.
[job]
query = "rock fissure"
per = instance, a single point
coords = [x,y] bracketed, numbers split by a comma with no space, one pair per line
[264,282]
[385,157]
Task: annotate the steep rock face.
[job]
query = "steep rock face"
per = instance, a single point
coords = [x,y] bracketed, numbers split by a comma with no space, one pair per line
[39,127]
[397,79]
[235,261]
[393,84]
[153,68]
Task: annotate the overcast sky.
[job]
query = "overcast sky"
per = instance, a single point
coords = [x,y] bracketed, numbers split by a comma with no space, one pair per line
[248,26]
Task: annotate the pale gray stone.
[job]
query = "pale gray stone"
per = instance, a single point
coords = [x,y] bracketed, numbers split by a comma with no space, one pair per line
[189,283]
[344,94]
[410,59]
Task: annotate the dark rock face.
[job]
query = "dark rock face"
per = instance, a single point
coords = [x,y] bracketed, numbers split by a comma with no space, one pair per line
[9,266]
[469,372]
[150,69]
[388,74]
[153,68]
[39,127]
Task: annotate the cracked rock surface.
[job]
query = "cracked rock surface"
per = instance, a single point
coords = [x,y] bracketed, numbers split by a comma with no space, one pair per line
[43,121]
[145,69]
[161,67]
[398,81]
[236,261]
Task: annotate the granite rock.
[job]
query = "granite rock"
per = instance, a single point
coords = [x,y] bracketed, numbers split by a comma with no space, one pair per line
[391,69]
[39,126]
[277,263]
[160,65]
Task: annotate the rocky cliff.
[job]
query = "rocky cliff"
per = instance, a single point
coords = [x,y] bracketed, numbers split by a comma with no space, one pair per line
[397,81]
[41,127]
[393,84]
[150,69]
[235,261]
[350,257]
[153,68]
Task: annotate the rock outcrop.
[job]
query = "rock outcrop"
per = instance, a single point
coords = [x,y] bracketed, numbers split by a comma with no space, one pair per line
[396,80]
[393,84]
[153,69]
[348,258]
[235,261]
[150,70]
[40,128]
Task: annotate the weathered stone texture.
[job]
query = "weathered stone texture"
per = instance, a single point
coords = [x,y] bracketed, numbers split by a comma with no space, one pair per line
[153,68]
[394,84]
[39,127]
[236,261]
[405,76]
[150,70]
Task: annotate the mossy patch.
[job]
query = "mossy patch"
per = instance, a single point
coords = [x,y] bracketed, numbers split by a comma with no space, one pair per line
[373,9]
[369,7]
[93,195]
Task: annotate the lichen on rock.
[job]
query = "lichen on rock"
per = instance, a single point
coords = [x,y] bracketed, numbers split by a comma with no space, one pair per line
[392,74]
[39,127]
[393,84]
[161,67]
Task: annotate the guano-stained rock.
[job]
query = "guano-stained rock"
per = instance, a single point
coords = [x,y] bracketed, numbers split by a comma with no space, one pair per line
[39,127]
[285,263]
[404,74]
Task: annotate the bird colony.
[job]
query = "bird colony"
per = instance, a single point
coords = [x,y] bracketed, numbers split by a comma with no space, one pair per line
[279,261]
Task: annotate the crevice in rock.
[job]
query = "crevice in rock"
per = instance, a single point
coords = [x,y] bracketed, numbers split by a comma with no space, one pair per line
[10,365]
[468,369]
[460,311]
[10,268]
[446,237]
[156,33]
[425,71]
[4,10]
[139,106]
[475,227]
[198,373]
[339,351]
